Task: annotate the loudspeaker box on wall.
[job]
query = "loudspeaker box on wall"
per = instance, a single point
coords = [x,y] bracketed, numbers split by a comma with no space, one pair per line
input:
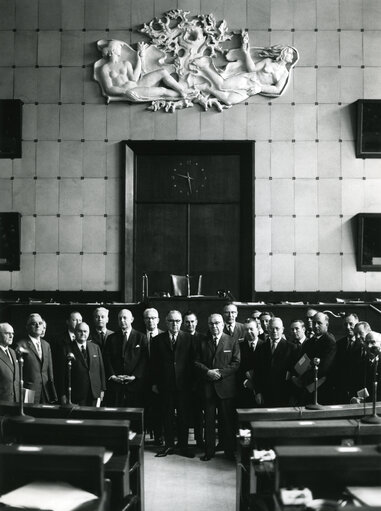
[10,241]
[10,128]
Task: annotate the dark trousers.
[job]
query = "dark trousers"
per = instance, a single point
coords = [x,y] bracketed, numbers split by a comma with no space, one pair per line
[172,402]
[153,415]
[226,423]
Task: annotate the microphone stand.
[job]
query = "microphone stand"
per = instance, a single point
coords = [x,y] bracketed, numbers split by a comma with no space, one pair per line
[315,405]
[374,418]
[69,358]
[21,417]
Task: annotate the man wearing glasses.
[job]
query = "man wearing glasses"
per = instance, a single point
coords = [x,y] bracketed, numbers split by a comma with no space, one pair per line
[38,366]
[172,369]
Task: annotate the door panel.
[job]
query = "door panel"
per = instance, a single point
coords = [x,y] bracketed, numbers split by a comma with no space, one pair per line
[214,246]
[161,245]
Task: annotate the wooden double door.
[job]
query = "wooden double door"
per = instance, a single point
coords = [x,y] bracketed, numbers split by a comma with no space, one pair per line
[193,214]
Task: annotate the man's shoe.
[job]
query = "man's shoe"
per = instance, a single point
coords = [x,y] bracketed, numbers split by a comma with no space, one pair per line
[165,452]
[206,457]
[187,453]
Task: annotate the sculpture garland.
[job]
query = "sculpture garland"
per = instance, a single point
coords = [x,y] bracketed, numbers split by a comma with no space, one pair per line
[188,63]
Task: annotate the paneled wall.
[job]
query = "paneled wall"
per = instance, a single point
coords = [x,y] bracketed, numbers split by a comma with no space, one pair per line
[309,184]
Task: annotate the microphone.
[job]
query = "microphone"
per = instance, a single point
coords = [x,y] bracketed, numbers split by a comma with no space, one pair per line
[70,356]
[20,351]
[316,361]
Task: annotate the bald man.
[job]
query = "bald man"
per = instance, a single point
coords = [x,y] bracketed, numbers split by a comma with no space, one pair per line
[321,346]
[217,360]
[125,358]
[9,369]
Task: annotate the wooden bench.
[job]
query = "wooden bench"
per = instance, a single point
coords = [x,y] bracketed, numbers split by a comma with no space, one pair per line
[82,467]
[113,435]
[134,415]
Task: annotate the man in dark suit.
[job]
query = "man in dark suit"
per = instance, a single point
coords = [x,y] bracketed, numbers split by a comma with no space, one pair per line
[9,369]
[38,365]
[153,419]
[321,346]
[348,372]
[172,368]
[190,327]
[248,347]
[87,372]
[274,361]
[217,360]
[100,333]
[125,357]
[232,327]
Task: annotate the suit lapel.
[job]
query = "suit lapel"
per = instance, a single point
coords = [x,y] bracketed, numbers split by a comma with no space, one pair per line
[32,348]
[78,355]
[6,360]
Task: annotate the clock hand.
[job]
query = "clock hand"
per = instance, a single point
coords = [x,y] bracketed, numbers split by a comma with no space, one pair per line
[189,179]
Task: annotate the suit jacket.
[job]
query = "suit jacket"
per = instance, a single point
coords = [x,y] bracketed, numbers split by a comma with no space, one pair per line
[129,358]
[87,378]
[38,374]
[323,348]
[96,338]
[226,358]
[149,340]
[348,370]
[270,377]
[172,368]
[238,332]
[9,377]
[249,361]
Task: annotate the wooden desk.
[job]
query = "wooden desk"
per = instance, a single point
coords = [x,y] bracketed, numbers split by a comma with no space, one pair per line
[110,434]
[80,466]
[267,434]
[327,471]
[134,415]
[247,415]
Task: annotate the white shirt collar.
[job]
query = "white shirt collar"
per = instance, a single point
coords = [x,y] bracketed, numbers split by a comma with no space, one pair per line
[80,345]
[152,333]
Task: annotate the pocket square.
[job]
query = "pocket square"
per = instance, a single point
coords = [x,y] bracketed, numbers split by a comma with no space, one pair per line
[137,346]
[227,351]
[95,356]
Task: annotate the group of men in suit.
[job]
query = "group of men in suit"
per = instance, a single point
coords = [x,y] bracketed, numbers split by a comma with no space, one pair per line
[183,377]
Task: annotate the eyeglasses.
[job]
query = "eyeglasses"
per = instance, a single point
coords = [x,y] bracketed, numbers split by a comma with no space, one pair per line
[36,324]
[174,320]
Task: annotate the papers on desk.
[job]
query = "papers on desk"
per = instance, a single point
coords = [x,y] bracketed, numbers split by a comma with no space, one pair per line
[29,395]
[131,435]
[49,496]
[107,456]
[366,495]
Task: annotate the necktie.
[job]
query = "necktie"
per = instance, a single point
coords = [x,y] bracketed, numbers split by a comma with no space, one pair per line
[252,345]
[230,330]
[102,338]
[38,348]
[8,354]
[84,354]
[215,343]
[173,340]
[273,346]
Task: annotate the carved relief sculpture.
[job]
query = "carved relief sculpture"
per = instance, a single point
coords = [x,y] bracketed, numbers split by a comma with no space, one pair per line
[191,61]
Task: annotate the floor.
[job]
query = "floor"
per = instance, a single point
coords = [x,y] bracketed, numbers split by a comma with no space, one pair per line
[175,483]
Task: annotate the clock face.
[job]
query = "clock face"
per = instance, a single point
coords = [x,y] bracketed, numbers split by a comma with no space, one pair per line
[188,178]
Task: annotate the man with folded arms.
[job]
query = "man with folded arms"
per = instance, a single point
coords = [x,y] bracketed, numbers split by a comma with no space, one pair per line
[217,361]
[172,369]
[125,358]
